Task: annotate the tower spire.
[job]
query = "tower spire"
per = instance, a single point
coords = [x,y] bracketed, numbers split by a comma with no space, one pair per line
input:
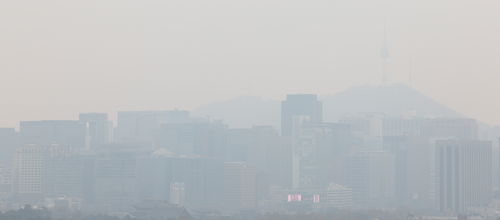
[384,54]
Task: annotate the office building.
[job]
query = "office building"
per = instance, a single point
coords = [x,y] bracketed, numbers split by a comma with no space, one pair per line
[29,170]
[338,196]
[409,123]
[412,168]
[5,182]
[203,139]
[146,123]
[299,104]
[262,147]
[239,183]
[9,138]
[370,122]
[64,176]
[317,152]
[463,174]
[115,175]
[97,125]
[367,130]
[192,181]
[371,176]
[280,162]
[461,128]
[43,133]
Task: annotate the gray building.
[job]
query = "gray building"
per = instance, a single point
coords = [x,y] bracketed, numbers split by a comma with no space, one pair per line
[199,181]
[317,152]
[203,139]
[461,128]
[411,169]
[65,132]
[9,138]
[371,177]
[115,176]
[146,123]
[97,128]
[64,176]
[463,174]
[299,104]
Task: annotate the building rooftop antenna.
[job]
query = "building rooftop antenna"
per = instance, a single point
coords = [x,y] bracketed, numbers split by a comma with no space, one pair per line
[384,54]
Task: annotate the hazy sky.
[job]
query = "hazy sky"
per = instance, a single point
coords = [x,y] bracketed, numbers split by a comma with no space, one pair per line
[59,58]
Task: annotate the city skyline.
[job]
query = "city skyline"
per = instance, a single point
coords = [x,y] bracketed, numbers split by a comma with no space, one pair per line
[108,65]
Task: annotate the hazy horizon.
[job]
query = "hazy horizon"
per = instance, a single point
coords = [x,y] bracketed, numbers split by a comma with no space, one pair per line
[58,59]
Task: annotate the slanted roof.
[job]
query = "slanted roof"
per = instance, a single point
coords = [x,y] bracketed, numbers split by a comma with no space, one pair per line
[162,152]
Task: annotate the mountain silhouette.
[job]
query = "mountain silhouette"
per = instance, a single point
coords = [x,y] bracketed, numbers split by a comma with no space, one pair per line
[392,100]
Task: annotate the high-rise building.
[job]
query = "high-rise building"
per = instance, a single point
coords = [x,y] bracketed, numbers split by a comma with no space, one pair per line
[203,139]
[9,138]
[280,162]
[115,175]
[64,176]
[97,128]
[371,177]
[42,133]
[461,128]
[239,183]
[370,122]
[317,152]
[463,174]
[367,129]
[5,182]
[412,168]
[193,181]
[409,123]
[299,104]
[29,170]
[146,123]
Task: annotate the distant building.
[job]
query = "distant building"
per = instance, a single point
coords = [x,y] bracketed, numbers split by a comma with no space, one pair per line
[317,152]
[97,128]
[263,147]
[115,175]
[29,170]
[64,176]
[5,182]
[463,174]
[409,123]
[280,161]
[371,177]
[193,181]
[338,196]
[412,168]
[299,104]
[461,128]
[203,139]
[370,122]
[9,138]
[367,130]
[42,133]
[239,185]
[146,123]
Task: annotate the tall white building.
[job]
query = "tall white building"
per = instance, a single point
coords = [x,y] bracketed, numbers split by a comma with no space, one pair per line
[371,176]
[463,174]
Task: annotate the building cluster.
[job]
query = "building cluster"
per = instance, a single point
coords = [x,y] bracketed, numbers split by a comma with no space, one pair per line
[367,159]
